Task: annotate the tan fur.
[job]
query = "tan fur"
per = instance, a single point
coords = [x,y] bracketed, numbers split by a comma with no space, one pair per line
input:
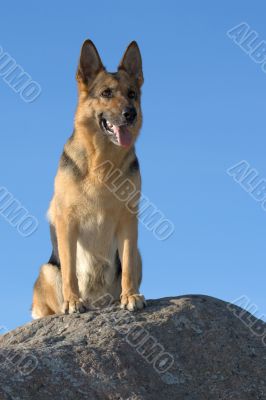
[91,223]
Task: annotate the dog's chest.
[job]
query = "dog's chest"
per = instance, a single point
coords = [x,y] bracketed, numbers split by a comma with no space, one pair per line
[96,252]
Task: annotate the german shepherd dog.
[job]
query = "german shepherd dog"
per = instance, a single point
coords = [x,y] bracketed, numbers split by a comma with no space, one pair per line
[94,235]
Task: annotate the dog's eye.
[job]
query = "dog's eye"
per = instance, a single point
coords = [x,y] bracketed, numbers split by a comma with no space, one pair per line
[132,94]
[107,93]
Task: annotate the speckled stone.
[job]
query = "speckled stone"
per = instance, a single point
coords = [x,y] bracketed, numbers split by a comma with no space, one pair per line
[183,348]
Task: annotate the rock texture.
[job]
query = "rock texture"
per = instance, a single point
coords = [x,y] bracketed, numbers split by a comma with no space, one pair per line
[187,348]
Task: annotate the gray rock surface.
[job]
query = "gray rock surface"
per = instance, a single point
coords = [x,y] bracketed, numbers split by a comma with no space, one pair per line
[187,348]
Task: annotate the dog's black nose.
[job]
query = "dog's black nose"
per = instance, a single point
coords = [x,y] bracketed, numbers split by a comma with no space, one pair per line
[129,113]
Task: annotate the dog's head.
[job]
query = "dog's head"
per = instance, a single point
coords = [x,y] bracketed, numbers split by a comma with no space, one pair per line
[109,103]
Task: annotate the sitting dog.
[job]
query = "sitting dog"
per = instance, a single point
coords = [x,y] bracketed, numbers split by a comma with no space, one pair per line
[94,233]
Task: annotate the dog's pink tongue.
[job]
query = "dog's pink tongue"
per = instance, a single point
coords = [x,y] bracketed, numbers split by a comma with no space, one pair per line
[123,135]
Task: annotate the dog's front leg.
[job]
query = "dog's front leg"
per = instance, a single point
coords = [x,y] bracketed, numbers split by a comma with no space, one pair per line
[131,264]
[67,233]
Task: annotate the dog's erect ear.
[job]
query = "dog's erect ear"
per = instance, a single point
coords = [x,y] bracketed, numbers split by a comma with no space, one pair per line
[132,63]
[90,63]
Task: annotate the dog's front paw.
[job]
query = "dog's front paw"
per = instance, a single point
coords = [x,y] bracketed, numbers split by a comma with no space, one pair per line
[133,302]
[74,305]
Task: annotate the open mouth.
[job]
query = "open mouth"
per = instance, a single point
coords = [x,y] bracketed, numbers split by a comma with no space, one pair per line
[119,134]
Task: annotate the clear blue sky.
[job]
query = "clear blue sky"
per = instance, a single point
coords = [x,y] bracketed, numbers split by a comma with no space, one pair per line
[204,104]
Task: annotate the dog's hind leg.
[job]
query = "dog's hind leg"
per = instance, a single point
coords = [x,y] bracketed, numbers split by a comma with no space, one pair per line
[47,293]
